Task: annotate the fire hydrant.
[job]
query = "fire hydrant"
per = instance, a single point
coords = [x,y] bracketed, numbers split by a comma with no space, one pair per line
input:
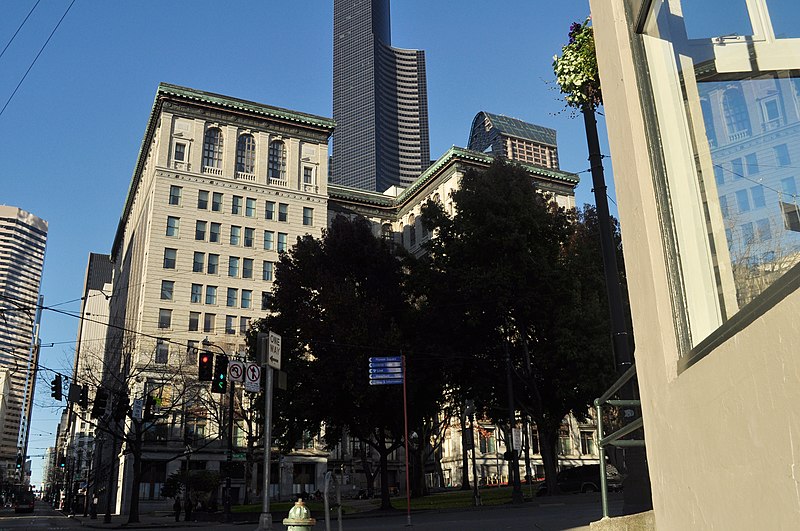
[299,518]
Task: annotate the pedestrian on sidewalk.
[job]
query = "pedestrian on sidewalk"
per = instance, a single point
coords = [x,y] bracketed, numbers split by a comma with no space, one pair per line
[177,508]
[93,508]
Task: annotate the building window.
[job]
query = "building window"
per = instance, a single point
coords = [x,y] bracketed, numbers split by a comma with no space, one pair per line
[249,236]
[230,324]
[167,289]
[244,324]
[194,321]
[283,212]
[197,293]
[283,242]
[737,168]
[487,444]
[180,152]
[751,163]
[164,318]
[236,205]
[276,163]
[202,199]
[587,443]
[209,322]
[233,297]
[162,351]
[266,296]
[175,195]
[236,235]
[250,207]
[564,441]
[246,154]
[200,230]
[737,119]
[247,298]
[742,201]
[412,230]
[308,216]
[269,240]
[216,202]
[212,148]
[198,264]
[782,155]
[173,225]
[763,230]
[267,272]
[757,194]
[214,234]
[308,176]
[247,268]
[211,295]
[270,210]
[213,264]
[170,258]
[233,266]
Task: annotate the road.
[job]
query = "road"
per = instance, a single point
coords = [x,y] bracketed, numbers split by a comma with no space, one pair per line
[43,517]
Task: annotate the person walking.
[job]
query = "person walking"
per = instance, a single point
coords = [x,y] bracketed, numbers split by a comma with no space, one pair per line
[177,508]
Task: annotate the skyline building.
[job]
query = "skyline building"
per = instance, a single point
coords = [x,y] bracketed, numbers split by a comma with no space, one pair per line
[23,237]
[503,136]
[380,101]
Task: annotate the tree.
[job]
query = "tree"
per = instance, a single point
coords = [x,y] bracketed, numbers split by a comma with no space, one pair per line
[521,282]
[337,301]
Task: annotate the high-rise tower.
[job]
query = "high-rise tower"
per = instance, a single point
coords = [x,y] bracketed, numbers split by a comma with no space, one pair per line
[22,243]
[380,101]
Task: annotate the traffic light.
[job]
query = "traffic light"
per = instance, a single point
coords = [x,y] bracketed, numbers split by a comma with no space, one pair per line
[220,381]
[55,388]
[205,367]
[83,401]
[19,461]
[100,403]
[149,404]
[121,407]
[62,460]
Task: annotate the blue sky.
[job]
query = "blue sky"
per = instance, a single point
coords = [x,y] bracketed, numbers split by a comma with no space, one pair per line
[71,134]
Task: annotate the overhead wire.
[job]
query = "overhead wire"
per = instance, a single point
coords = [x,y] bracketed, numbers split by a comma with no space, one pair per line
[19,28]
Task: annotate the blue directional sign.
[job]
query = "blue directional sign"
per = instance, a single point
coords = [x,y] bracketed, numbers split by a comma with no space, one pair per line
[386,370]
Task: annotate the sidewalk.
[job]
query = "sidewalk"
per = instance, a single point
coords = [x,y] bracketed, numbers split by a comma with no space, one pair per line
[156,521]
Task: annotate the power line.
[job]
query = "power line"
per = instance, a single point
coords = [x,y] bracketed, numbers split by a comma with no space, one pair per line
[19,28]
[37,57]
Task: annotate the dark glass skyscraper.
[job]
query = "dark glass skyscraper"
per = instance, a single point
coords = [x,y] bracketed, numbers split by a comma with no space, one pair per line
[380,101]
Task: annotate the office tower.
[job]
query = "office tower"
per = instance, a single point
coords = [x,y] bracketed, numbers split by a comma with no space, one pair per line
[23,237]
[502,136]
[380,101]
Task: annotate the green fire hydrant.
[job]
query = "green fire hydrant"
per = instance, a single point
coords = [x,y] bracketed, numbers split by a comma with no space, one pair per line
[299,518]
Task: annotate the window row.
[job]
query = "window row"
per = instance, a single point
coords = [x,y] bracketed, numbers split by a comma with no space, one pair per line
[213,143]
[240,205]
[210,263]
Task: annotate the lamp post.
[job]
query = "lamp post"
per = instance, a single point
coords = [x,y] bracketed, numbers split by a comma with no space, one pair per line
[229,456]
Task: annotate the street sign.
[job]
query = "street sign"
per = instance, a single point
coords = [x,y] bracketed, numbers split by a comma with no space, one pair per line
[516,438]
[239,456]
[274,351]
[252,378]
[236,371]
[138,407]
[386,370]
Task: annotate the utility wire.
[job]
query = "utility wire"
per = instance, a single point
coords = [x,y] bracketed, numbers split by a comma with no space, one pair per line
[19,28]
[37,57]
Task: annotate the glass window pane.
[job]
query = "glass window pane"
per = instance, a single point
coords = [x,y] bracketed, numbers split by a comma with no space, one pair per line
[785,15]
[713,18]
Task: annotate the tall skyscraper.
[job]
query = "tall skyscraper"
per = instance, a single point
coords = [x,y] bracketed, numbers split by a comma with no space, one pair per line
[22,243]
[380,101]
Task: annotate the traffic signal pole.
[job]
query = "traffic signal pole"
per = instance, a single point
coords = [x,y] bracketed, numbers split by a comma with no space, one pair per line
[229,457]
[265,521]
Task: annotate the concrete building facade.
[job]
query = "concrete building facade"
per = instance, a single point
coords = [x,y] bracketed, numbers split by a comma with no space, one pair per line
[702,122]
[23,238]
[380,101]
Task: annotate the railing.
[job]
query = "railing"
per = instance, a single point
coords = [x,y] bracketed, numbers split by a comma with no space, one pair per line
[212,171]
[244,176]
[278,182]
[738,135]
[615,439]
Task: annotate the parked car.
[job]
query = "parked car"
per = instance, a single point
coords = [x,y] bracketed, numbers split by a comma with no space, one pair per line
[584,478]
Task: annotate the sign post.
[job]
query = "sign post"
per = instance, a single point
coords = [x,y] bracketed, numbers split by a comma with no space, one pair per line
[391,370]
[273,357]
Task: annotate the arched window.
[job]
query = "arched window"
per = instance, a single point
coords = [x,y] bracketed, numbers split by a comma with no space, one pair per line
[246,154]
[276,163]
[737,118]
[412,230]
[212,148]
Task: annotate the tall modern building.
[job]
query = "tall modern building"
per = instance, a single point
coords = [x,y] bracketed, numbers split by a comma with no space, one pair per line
[23,237]
[380,101]
[503,136]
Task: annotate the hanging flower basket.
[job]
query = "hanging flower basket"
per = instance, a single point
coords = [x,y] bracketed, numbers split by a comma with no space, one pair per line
[576,69]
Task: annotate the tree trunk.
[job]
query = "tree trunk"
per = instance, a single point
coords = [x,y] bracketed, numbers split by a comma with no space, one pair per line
[384,466]
[548,439]
[465,443]
[133,513]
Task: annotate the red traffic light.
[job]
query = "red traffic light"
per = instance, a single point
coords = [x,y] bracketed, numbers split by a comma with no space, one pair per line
[205,367]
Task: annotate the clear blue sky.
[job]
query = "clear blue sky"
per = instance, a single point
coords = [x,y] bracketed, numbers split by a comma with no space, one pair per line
[71,134]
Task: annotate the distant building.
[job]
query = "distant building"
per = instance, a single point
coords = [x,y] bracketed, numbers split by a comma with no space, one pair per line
[23,237]
[514,139]
[380,101]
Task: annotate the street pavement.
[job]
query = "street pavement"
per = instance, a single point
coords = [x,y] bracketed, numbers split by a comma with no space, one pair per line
[562,513]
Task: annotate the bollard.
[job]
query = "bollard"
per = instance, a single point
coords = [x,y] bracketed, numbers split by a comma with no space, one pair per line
[299,518]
